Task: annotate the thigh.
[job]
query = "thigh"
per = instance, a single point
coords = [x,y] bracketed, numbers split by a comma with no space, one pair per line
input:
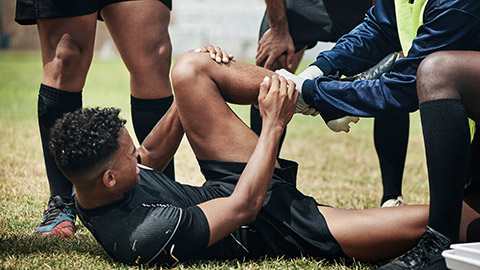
[202,88]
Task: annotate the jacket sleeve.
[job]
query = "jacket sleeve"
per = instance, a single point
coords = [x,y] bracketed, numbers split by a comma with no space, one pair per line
[365,45]
[396,92]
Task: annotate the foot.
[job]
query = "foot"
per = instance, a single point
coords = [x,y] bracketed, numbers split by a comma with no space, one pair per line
[59,219]
[399,201]
[427,255]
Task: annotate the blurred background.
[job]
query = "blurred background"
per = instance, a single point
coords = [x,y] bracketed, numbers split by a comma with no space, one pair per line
[231,24]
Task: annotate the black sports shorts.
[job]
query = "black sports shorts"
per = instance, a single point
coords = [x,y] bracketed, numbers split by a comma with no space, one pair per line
[28,11]
[289,222]
[310,21]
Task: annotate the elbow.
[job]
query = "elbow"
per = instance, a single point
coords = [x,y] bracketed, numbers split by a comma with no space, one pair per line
[148,158]
[251,216]
[247,209]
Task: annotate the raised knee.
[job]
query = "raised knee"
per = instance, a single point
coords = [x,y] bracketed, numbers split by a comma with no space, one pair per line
[187,68]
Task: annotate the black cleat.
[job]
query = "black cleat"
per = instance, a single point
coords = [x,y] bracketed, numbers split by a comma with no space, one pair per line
[426,255]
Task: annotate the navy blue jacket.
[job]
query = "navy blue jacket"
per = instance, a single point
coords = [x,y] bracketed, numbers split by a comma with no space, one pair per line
[448,25]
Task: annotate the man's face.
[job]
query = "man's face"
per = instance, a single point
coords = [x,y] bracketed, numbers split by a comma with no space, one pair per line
[124,165]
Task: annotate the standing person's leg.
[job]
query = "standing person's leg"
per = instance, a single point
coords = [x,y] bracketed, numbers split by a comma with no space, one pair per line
[390,135]
[140,32]
[67,50]
[447,96]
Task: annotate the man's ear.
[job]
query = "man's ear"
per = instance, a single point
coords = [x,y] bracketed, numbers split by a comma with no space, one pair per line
[108,178]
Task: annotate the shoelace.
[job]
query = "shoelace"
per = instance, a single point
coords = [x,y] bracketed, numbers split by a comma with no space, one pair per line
[52,212]
[420,253]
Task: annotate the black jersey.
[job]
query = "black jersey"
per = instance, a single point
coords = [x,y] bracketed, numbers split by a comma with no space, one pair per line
[158,221]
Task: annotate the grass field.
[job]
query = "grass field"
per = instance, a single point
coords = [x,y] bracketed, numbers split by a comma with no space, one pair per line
[338,169]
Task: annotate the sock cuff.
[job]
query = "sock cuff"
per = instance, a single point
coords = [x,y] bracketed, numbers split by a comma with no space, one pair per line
[151,104]
[60,95]
[444,114]
[440,103]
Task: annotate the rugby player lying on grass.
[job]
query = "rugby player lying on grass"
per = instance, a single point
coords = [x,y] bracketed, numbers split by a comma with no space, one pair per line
[248,207]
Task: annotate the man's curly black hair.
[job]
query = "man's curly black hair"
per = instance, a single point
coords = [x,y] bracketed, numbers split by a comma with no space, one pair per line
[86,138]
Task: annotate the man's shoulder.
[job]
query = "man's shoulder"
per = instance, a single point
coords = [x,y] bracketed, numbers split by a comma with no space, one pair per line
[135,232]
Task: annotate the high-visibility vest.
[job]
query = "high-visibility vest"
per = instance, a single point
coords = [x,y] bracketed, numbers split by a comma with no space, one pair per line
[409,18]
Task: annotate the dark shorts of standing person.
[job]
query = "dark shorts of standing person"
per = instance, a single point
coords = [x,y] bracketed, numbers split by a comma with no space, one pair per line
[310,21]
[28,11]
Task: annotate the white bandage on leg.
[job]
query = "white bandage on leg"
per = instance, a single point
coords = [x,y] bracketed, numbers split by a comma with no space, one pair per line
[337,125]
[302,106]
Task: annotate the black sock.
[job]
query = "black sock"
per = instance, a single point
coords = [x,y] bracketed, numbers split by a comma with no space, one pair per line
[145,115]
[256,126]
[52,104]
[390,135]
[447,145]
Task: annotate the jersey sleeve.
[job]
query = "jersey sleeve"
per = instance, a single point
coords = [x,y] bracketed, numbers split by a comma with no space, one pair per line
[396,92]
[192,235]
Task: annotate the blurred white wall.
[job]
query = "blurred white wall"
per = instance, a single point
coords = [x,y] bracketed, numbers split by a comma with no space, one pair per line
[231,24]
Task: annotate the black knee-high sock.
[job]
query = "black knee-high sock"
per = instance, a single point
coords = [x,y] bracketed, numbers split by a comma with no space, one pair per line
[256,126]
[447,145]
[390,135]
[145,115]
[52,104]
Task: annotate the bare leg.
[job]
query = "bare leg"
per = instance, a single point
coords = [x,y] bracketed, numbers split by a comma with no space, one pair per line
[140,31]
[210,125]
[376,234]
[143,43]
[470,223]
[67,50]
[448,91]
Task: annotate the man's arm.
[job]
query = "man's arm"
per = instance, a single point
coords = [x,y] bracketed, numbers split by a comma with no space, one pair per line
[277,40]
[396,92]
[365,45]
[161,144]
[277,101]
